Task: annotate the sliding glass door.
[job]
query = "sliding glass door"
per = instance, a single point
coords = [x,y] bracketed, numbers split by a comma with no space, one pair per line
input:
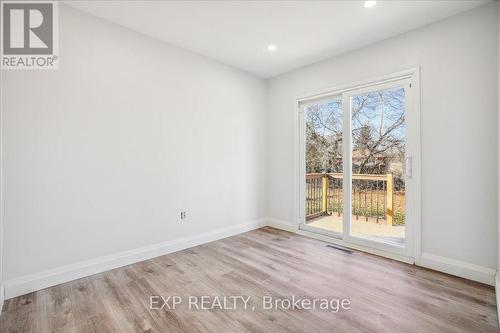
[357,165]
[377,152]
[324,165]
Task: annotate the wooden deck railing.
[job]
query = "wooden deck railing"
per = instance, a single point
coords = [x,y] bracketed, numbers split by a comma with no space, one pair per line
[372,196]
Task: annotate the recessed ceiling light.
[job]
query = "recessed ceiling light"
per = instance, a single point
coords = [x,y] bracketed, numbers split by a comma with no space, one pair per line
[370,4]
[271,48]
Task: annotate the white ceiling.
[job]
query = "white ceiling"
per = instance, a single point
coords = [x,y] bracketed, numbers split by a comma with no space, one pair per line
[238,32]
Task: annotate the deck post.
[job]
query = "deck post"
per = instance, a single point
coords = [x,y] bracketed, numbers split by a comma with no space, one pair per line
[324,187]
[389,203]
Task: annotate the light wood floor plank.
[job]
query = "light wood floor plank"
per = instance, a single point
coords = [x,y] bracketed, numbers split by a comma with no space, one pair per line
[385,295]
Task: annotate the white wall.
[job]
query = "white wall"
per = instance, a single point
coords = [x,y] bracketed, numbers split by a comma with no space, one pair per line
[102,154]
[458,59]
[498,150]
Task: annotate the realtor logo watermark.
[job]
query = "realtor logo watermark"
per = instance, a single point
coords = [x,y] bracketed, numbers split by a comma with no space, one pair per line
[248,303]
[29,35]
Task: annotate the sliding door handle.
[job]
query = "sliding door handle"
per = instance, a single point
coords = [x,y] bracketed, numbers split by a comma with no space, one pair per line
[409,166]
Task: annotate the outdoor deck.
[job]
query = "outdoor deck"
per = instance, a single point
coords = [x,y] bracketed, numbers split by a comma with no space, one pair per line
[378,210]
[362,228]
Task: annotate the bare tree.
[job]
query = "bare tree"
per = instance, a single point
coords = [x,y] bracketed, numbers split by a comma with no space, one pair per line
[378,131]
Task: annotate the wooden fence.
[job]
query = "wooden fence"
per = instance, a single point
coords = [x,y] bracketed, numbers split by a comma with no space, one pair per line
[372,196]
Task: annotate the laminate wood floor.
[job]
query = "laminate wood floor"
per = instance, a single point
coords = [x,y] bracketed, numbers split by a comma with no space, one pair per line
[385,295]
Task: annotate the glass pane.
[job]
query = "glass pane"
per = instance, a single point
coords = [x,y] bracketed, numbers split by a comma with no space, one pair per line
[323,125]
[378,152]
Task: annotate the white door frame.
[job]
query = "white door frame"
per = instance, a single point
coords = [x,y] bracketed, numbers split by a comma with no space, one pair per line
[410,79]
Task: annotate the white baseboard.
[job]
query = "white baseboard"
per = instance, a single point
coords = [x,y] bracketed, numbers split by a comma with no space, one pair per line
[279,224]
[458,268]
[33,282]
[2,297]
[443,264]
[497,294]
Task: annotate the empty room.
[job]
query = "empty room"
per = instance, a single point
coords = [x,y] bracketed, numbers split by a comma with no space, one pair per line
[250,166]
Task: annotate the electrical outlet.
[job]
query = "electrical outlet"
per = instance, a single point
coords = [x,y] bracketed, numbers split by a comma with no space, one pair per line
[183,215]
